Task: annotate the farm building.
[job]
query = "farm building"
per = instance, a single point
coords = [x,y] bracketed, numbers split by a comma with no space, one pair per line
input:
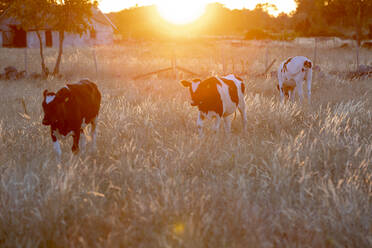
[100,33]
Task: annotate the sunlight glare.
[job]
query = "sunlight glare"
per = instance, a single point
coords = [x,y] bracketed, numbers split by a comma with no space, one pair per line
[180,12]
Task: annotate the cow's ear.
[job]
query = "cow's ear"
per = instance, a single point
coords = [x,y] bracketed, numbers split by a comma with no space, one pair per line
[185,83]
[45,93]
[307,64]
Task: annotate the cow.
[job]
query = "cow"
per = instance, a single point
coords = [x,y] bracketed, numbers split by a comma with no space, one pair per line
[291,74]
[288,88]
[69,110]
[217,97]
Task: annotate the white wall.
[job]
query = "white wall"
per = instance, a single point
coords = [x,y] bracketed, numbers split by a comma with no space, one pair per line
[33,41]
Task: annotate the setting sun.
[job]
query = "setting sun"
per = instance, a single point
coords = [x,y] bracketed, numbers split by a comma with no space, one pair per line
[180,12]
[183,11]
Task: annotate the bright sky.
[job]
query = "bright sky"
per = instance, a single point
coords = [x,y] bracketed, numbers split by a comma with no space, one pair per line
[181,11]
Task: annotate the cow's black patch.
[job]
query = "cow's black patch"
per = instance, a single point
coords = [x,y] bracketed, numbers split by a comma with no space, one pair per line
[233,90]
[206,97]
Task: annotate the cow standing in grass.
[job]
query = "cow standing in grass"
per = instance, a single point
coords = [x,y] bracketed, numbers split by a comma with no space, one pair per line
[291,74]
[217,97]
[69,110]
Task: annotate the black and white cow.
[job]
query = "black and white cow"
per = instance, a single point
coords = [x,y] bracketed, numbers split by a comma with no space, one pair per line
[217,97]
[69,110]
[291,74]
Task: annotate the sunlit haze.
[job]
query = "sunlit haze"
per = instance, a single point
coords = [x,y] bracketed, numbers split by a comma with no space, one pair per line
[183,11]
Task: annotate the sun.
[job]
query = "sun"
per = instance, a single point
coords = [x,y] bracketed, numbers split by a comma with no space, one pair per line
[182,11]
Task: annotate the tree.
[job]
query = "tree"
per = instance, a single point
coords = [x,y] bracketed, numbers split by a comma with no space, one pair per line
[354,14]
[72,16]
[29,19]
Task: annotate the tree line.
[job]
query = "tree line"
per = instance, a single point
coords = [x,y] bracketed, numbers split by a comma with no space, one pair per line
[343,18]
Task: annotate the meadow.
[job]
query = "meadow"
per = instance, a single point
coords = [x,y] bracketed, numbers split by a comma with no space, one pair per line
[299,176]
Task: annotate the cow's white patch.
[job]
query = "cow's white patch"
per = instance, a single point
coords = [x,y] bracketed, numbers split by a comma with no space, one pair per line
[83,124]
[57,148]
[49,99]
[194,86]
[60,136]
[228,105]
[82,142]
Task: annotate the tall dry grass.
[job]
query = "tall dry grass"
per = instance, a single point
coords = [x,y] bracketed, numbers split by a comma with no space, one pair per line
[300,176]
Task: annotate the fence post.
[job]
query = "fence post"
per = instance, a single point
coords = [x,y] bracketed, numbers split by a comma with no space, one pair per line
[95,60]
[223,64]
[315,50]
[357,56]
[174,65]
[314,57]
[26,69]
[266,56]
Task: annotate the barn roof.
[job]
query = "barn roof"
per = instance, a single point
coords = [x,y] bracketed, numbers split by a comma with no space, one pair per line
[100,17]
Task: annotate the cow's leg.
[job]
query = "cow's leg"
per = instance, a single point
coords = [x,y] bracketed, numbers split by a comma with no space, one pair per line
[243,114]
[82,141]
[299,90]
[93,134]
[309,78]
[56,145]
[75,145]
[292,94]
[227,124]
[199,123]
[281,88]
[217,123]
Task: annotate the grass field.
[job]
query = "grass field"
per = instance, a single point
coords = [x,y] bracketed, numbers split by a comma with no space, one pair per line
[300,176]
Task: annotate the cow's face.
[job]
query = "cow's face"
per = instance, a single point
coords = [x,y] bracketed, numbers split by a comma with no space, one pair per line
[197,90]
[54,106]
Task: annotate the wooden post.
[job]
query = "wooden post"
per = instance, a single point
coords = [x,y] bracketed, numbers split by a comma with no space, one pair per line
[223,65]
[95,60]
[174,65]
[26,69]
[358,34]
[315,50]
[266,56]
[314,57]
[357,57]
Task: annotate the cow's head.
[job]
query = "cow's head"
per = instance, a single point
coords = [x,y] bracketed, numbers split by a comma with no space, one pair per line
[286,89]
[197,90]
[54,105]
[307,64]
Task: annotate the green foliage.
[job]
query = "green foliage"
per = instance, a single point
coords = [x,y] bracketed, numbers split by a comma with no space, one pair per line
[25,12]
[72,16]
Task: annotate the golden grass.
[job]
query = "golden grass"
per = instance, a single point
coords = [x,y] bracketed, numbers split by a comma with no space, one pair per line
[300,176]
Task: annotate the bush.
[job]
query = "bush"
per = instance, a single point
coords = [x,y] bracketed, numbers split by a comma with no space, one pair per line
[257,34]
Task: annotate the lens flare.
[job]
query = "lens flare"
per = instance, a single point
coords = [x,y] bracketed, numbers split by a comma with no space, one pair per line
[180,12]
